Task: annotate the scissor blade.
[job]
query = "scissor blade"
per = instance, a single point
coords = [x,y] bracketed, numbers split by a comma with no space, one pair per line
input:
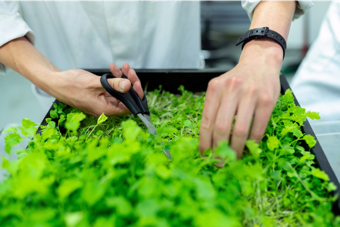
[148,123]
[168,154]
[147,117]
[146,120]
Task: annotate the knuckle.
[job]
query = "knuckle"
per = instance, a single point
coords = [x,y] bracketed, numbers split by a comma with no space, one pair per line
[232,82]
[213,85]
[220,129]
[266,100]
[240,131]
[252,89]
[257,135]
[206,124]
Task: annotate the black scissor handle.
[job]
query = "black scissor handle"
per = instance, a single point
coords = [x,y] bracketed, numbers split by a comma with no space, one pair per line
[141,103]
[130,99]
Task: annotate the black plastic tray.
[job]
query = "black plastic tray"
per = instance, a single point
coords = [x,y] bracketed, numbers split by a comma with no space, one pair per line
[197,81]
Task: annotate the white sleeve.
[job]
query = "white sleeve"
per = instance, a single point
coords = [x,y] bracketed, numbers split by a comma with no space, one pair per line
[12,25]
[301,7]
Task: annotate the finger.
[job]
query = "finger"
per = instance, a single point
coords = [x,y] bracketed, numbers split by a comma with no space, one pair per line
[245,113]
[224,119]
[138,89]
[211,104]
[137,86]
[119,84]
[261,118]
[115,70]
[132,75]
[125,68]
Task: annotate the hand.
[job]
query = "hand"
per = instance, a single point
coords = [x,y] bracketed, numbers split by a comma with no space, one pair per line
[83,90]
[249,90]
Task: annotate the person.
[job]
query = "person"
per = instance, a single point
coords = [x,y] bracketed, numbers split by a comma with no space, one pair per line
[73,35]
[316,84]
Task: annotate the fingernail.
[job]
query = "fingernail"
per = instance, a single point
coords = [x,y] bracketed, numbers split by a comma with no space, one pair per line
[116,67]
[121,85]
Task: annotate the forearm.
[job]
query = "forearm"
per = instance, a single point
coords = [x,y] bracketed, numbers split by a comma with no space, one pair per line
[277,16]
[21,56]
[274,14]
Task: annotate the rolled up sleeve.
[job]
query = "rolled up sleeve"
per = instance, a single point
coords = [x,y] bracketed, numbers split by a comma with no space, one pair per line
[301,8]
[12,26]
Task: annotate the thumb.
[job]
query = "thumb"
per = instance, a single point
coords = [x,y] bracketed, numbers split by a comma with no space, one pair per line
[120,84]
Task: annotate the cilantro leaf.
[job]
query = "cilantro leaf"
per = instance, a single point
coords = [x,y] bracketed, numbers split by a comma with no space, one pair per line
[11,140]
[253,148]
[309,140]
[320,174]
[273,142]
[73,120]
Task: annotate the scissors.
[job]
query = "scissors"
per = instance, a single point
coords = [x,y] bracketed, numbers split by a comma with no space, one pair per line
[136,105]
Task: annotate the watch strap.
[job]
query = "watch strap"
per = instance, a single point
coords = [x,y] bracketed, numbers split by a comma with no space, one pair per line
[262,32]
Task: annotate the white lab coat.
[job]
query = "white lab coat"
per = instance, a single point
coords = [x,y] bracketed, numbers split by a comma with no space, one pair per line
[81,34]
[316,84]
[77,34]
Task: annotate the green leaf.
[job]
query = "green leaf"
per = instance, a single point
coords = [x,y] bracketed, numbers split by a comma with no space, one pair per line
[60,107]
[61,119]
[331,187]
[92,193]
[297,132]
[320,174]
[313,115]
[288,128]
[276,175]
[73,120]
[306,156]
[10,129]
[53,114]
[287,149]
[99,133]
[254,148]
[122,205]
[204,189]
[67,187]
[105,221]
[273,142]
[28,127]
[147,208]
[72,219]
[188,124]
[224,151]
[11,140]
[131,130]
[102,119]
[309,140]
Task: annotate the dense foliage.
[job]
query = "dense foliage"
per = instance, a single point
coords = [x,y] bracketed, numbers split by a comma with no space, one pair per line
[83,171]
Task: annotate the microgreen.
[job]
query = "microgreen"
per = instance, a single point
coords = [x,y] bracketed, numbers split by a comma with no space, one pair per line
[84,171]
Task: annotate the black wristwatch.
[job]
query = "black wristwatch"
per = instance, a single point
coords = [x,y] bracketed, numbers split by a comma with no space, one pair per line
[262,32]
